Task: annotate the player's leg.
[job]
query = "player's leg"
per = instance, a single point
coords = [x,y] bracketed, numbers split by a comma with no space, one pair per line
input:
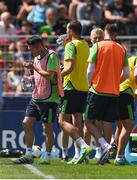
[118,130]
[68,106]
[74,133]
[126,111]
[48,129]
[107,130]
[48,115]
[87,138]
[77,122]
[127,126]
[65,141]
[29,120]
[96,106]
[28,123]
[98,147]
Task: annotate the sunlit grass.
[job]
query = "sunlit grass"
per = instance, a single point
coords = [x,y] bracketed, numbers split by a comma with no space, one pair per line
[61,170]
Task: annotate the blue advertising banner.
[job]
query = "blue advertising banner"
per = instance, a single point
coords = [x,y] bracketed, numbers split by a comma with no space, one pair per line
[12,135]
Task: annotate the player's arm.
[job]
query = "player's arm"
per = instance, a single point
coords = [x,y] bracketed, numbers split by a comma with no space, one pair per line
[135,71]
[125,74]
[68,68]
[135,74]
[69,59]
[92,61]
[90,72]
[49,73]
[126,71]
[44,73]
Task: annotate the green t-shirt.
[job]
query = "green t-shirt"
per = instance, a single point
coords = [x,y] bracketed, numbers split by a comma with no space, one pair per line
[70,53]
[93,53]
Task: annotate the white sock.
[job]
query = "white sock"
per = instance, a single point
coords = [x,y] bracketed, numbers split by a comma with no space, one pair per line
[64,152]
[81,143]
[28,151]
[76,156]
[98,149]
[98,153]
[103,142]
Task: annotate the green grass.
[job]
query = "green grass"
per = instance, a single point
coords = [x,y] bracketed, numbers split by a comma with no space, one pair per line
[60,170]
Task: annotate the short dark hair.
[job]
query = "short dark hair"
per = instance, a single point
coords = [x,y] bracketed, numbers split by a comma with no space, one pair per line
[34,40]
[26,23]
[75,26]
[89,2]
[111,29]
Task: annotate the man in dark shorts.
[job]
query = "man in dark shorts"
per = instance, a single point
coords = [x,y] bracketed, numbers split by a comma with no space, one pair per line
[75,88]
[96,35]
[126,112]
[106,61]
[45,97]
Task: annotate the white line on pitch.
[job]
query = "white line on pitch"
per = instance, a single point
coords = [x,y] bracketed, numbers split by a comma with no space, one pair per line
[36,171]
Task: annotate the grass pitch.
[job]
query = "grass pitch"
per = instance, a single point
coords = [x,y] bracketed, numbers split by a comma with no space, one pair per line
[60,170]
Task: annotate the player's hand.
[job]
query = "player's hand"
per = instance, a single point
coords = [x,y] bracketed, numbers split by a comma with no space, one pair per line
[28,65]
